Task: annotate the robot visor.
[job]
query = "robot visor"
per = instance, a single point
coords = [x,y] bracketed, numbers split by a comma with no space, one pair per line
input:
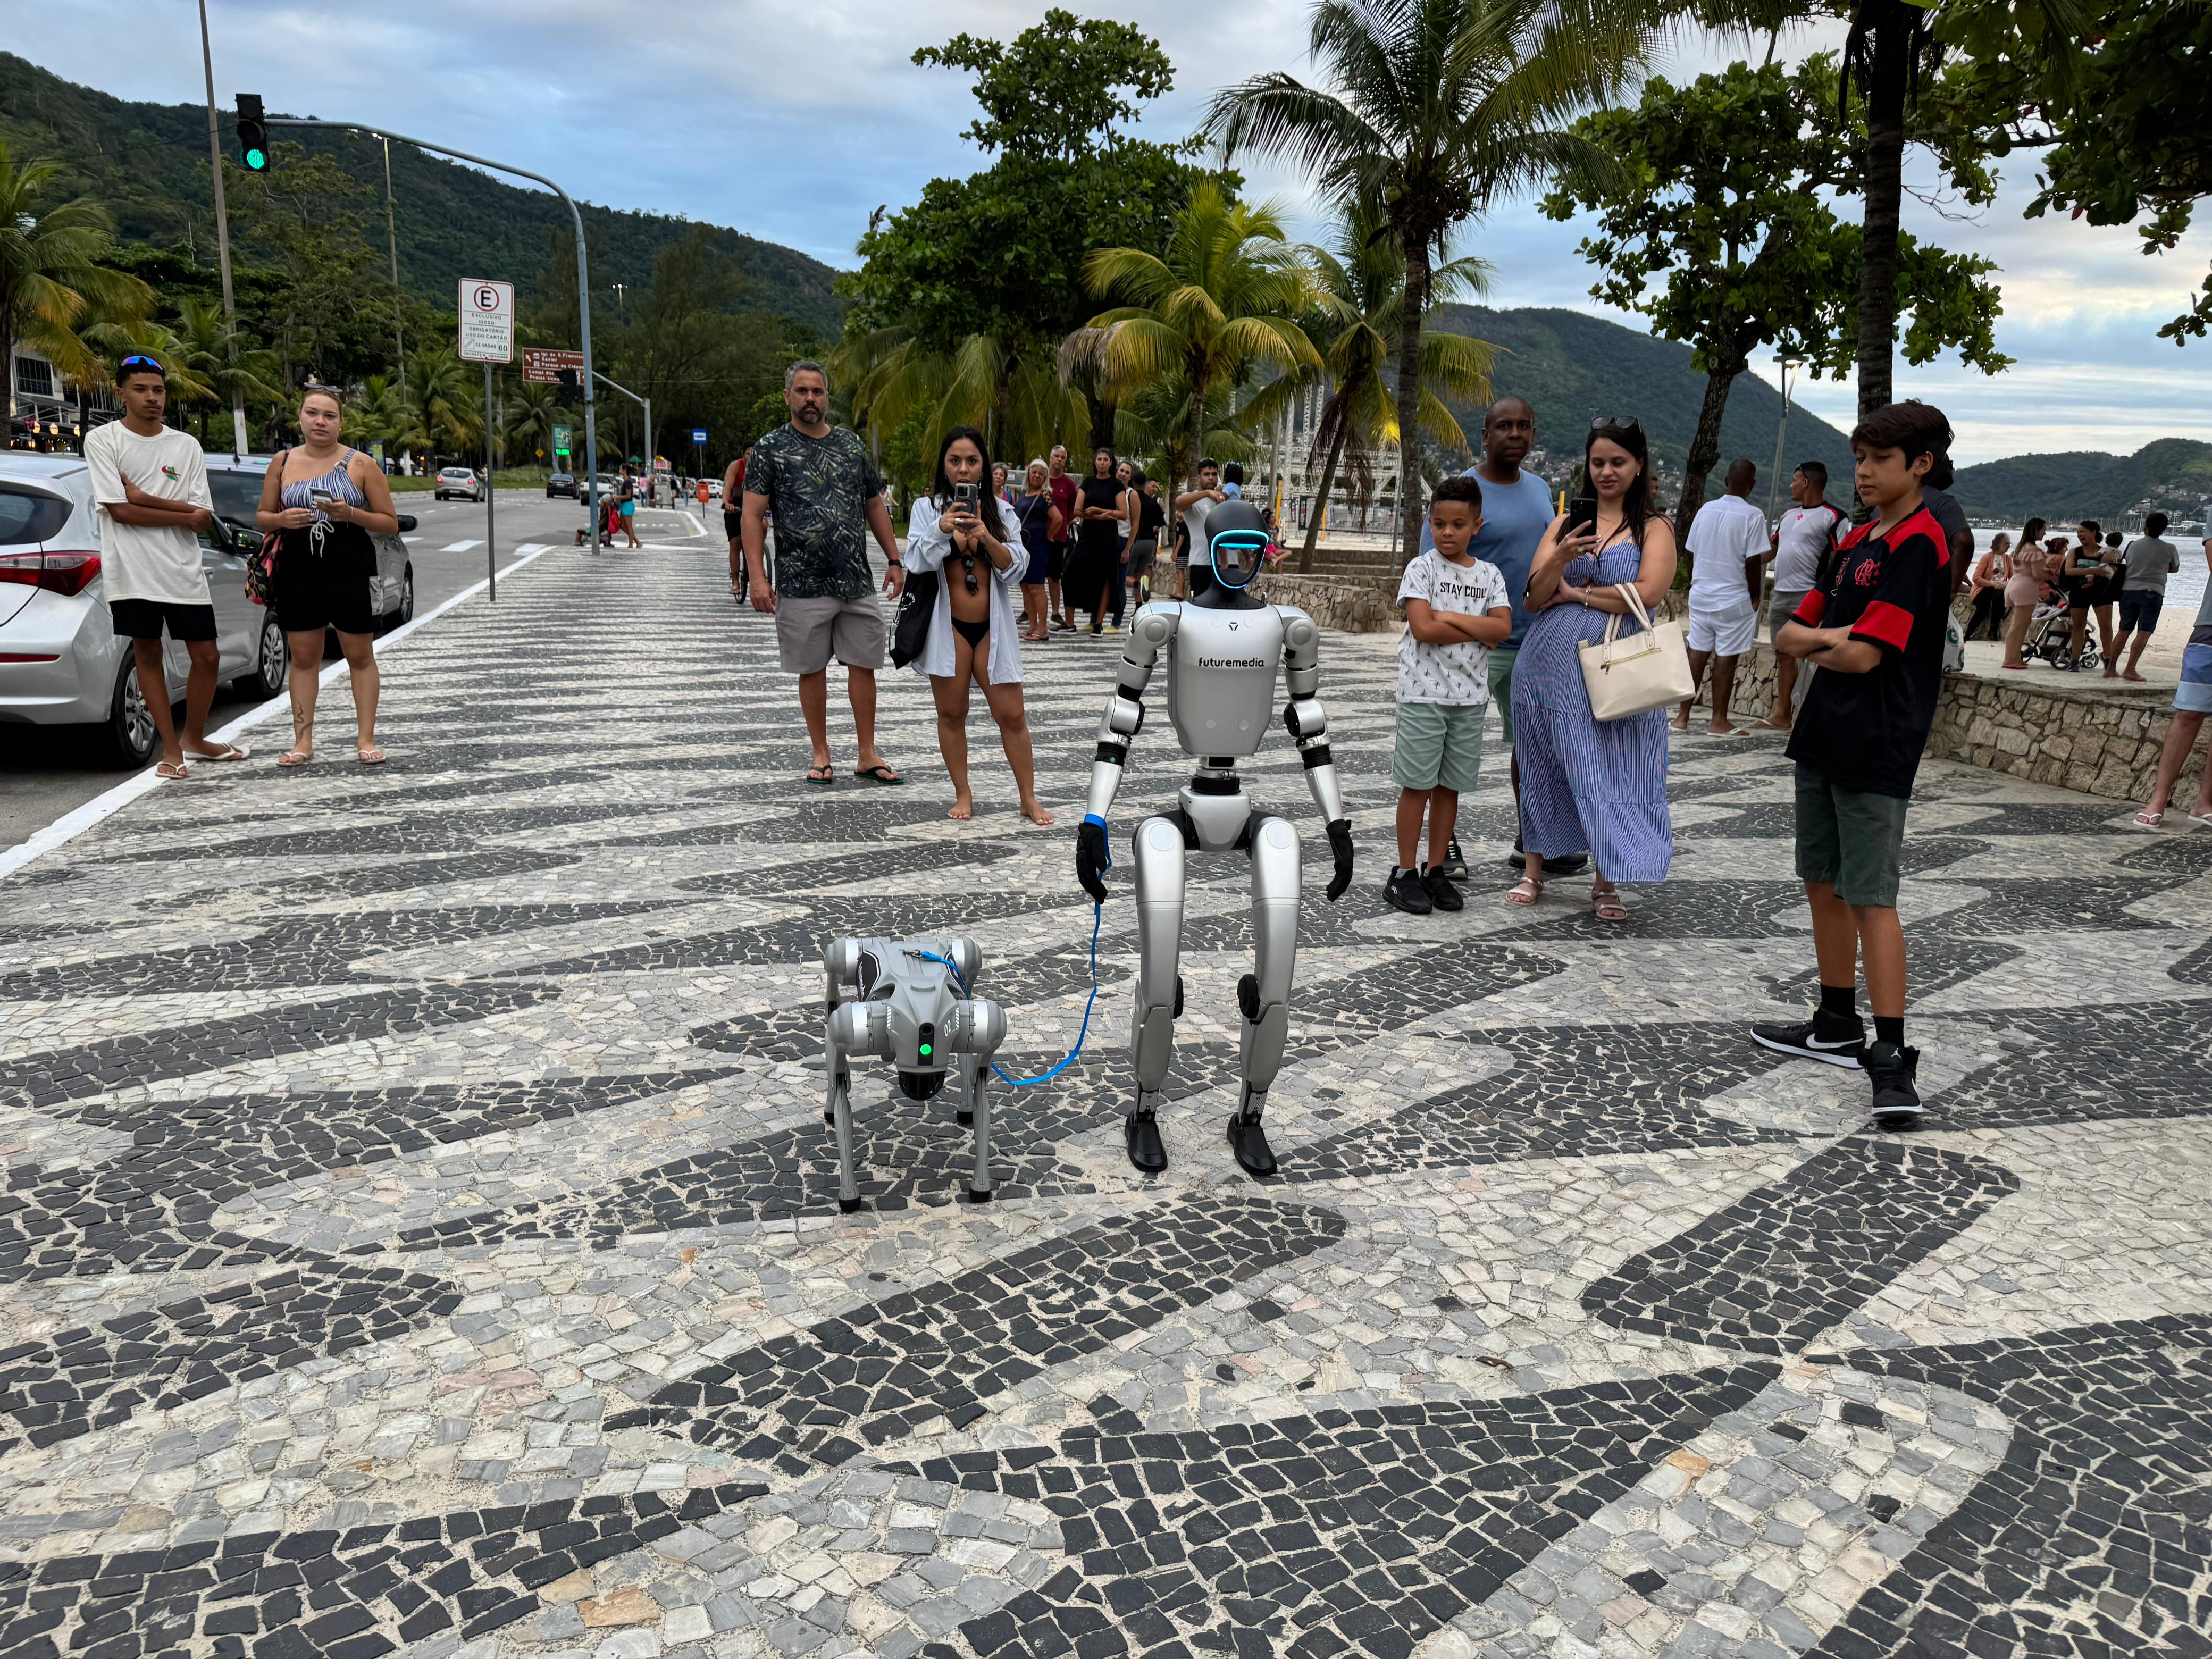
[1237,554]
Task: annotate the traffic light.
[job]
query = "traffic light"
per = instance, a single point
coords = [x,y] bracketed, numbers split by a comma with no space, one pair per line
[572,381]
[253,134]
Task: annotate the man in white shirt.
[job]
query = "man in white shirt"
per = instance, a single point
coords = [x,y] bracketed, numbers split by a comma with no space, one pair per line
[151,481]
[1726,537]
[1804,537]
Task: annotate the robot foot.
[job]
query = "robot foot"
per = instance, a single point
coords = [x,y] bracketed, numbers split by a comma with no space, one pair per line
[1248,1140]
[849,1205]
[1148,1153]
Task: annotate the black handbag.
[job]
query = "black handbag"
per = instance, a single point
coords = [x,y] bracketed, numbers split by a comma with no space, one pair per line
[917,608]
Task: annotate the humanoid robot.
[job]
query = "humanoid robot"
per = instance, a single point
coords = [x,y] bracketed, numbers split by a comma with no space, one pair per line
[907,1001]
[1222,648]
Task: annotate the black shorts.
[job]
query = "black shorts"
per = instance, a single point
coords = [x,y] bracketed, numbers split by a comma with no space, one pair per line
[325,587]
[143,619]
[1055,564]
[733,521]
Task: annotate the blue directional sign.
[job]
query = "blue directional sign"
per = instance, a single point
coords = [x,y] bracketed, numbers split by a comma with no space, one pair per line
[698,435]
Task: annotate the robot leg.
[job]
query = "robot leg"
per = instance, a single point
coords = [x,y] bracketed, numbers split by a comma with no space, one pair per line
[970,955]
[978,1028]
[1159,854]
[1264,995]
[849,1031]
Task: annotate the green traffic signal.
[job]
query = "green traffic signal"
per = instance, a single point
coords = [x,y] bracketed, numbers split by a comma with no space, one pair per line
[256,159]
[252,133]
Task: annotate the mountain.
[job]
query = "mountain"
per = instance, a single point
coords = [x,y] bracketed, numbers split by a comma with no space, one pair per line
[2173,474]
[1573,366]
[149,164]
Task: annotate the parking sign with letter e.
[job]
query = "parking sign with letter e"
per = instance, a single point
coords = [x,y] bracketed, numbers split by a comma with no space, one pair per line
[487,330]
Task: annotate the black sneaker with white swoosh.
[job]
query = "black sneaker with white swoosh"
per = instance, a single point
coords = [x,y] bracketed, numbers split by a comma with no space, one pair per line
[1834,1041]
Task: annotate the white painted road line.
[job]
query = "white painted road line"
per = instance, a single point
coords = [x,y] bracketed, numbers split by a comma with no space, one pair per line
[70,825]
[528,548]
[459,547]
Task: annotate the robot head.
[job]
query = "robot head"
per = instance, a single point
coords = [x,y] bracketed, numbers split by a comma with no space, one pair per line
[1237,540]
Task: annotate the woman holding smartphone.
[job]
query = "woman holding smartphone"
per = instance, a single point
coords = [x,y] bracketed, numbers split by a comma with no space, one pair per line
[958,530]
[1589,786]
[323,501]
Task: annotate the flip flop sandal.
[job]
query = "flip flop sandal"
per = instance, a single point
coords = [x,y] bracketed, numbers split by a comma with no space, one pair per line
[372,756]
[878,773]
[821,776]
[171,770]
[231,751]
[2150,820]
[292,757]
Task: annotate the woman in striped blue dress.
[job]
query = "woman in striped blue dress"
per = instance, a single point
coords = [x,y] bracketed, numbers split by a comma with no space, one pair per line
[1588,785]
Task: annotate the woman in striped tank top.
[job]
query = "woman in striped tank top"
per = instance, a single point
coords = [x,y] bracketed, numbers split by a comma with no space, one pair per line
[325,501]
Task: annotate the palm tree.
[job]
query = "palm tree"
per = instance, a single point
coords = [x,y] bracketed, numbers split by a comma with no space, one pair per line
[1223,301]
[1362,310]
[533,409]
[443,394]
[1446,107]
[380,413]
[216,353]
[51,281]
[1156,424]
[1007,389]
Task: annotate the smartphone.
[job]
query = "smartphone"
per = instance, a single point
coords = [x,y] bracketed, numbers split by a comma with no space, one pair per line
[1582,514]
[321,497]
[967,495]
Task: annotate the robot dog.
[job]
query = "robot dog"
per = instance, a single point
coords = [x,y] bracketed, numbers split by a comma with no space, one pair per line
[1223,648]
[907,1001]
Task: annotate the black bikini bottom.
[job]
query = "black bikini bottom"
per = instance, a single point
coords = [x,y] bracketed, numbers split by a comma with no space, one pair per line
[974,632]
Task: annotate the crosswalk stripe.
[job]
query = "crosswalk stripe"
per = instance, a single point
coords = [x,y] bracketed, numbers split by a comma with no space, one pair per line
[532,547]
[459,547]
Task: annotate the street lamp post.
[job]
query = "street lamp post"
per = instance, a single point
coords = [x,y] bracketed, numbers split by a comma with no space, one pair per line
[583,275]
[222,236]
[1788,366]
[391,237]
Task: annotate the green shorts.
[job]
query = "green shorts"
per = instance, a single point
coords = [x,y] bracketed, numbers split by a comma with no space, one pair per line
[1439,745]
[1851,839]
[1500,668]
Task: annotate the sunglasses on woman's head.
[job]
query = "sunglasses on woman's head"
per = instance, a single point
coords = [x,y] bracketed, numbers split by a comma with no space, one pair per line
[1619,422]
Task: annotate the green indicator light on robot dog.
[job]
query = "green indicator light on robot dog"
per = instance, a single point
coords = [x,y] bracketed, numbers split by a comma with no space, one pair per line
[925,1051]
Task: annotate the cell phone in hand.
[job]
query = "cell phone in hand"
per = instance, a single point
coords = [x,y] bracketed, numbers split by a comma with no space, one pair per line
[1582,514]
[965,495]
[321,497]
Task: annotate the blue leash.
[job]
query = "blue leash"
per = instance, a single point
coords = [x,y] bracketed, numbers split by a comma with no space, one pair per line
[1098,914]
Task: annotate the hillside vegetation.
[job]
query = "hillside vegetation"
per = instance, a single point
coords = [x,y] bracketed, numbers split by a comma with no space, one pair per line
[149,164]
[2171,474]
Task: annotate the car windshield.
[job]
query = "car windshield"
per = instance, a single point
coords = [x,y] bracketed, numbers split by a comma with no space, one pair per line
[29,516]
[237,495]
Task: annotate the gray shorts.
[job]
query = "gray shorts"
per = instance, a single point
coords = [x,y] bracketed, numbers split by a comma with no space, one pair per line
[809,631]
[1500,675]
[1781,606]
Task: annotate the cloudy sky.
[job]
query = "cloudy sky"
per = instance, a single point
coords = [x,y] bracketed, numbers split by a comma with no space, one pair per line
[793,121]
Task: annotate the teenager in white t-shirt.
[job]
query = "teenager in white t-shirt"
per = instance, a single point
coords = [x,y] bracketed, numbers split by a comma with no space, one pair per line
[1726,537]
[150,483]
[1807,534]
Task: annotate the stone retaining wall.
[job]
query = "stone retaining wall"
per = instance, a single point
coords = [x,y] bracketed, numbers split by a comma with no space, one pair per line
[2089,738]
[1354,604]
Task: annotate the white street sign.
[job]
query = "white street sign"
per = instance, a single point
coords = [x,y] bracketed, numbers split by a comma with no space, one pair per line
[487,321]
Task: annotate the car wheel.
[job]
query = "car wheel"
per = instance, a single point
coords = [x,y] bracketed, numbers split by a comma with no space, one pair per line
[272,658]
[131,730]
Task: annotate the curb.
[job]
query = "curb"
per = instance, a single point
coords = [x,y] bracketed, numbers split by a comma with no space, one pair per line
[72,824]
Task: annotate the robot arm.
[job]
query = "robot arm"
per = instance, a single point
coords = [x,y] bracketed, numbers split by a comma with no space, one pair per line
[1308,723]
[1123,719]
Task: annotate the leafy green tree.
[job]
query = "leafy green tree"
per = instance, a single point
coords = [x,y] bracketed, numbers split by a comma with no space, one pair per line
[444,399]
[963,299]
[1442,108]
[327,315]
[2125,130]
[533,409]
[1721,228]
[220,354]
[52,278]
[1223,299]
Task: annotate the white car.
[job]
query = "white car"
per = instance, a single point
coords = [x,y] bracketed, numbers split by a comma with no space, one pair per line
[459,483]
[61,663]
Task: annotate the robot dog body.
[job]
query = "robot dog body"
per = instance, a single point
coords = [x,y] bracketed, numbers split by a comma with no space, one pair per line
[900,1000]
[1224,650]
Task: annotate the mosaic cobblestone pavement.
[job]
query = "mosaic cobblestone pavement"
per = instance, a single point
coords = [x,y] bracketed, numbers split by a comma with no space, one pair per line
[420,1228]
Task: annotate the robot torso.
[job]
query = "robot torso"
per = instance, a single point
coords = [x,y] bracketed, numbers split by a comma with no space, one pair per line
[1223,667]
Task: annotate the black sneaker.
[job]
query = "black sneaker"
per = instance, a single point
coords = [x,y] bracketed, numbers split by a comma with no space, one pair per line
[1891,1067]
[1826,1037]
[1455,864]
[1405,892]
[1442,894]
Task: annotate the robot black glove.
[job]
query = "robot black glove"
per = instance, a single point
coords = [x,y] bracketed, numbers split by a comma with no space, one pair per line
[1093,858]
[1340,842]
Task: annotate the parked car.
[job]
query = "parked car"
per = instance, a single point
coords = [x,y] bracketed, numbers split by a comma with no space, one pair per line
[60,662]
[713,489]
[461,482]
[561,484]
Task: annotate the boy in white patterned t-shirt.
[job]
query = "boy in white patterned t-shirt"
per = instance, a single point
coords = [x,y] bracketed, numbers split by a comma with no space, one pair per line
[1456,610]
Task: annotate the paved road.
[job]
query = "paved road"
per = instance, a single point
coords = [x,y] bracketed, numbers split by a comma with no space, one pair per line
[417,1180]
[46,771]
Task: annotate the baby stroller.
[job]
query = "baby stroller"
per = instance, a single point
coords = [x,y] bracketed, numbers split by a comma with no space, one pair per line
[2050,637]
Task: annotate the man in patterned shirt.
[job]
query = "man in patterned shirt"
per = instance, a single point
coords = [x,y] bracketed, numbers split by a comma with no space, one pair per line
[827,497]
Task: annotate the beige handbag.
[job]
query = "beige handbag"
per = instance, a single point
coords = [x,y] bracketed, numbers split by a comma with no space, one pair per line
[1645,671]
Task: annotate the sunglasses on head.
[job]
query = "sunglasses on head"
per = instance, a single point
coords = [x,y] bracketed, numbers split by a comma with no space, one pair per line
[141,362]
[1619,422]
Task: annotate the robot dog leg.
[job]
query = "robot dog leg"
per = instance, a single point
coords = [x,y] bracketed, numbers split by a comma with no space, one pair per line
[1159,851]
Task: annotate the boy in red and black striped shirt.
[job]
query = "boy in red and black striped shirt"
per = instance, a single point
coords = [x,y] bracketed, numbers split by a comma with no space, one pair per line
[1875,626]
